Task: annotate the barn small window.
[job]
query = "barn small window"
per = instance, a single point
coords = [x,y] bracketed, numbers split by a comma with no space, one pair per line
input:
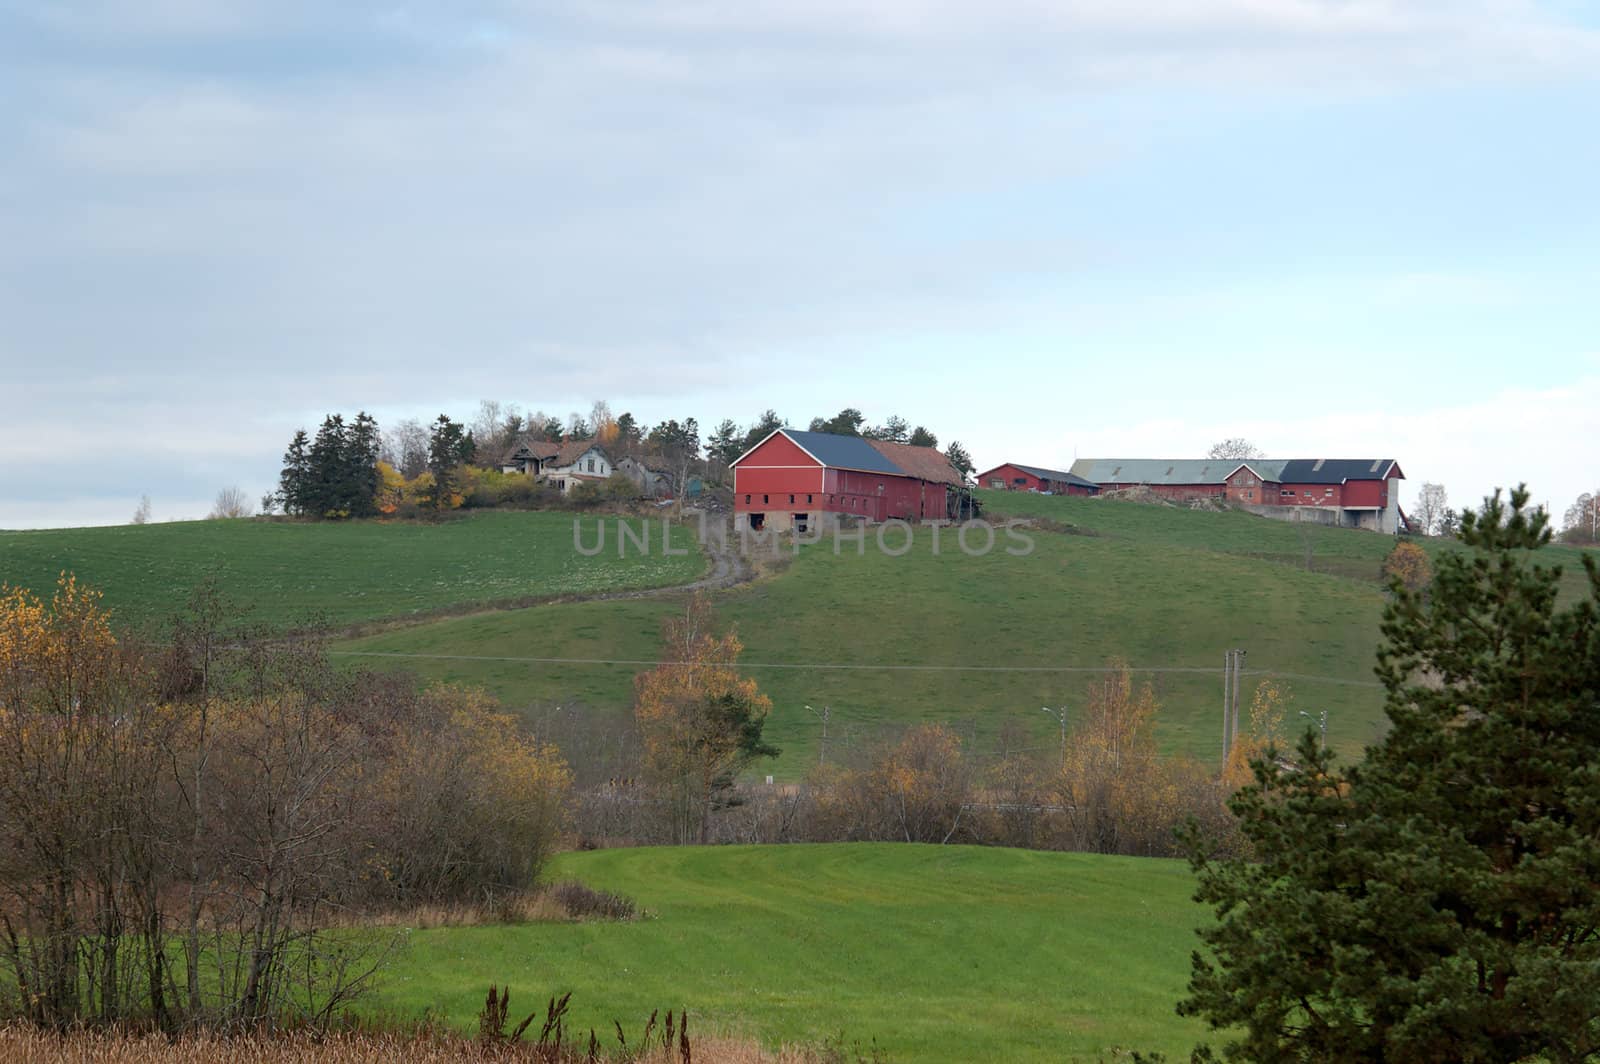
[747,499]
[802,522]
[766,499]
[808,497]
[791,498]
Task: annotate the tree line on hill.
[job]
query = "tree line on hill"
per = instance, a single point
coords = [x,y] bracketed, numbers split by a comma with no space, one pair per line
[352,469]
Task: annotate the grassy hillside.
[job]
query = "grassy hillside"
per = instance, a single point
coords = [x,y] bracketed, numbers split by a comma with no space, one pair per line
[296,573]
[936,953]
[890,640]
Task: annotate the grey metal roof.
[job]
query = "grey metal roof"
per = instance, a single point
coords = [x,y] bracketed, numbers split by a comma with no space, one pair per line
[1054,474]
[843,452]
[1171,470]
[1334,470]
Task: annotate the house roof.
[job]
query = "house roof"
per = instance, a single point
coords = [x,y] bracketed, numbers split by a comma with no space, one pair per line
[1336,470]
[540,449]
[1162,471]
[1052,474]
[868,456]
[924,463]
[842,452]
[1170,470]
[572,450]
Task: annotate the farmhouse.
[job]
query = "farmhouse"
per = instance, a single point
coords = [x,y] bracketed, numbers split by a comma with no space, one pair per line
[794,479]
[528,456]
[1013,476]
[1353,492]
[562,465]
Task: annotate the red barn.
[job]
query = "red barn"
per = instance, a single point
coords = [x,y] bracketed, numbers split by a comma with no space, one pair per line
[794,478]
[1354,492]
[1016,477]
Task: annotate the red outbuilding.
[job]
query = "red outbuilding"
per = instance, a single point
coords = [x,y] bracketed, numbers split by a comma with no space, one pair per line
[1014,476]
[793,479]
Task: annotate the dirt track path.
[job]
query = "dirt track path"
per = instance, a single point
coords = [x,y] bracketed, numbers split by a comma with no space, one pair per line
[727,569]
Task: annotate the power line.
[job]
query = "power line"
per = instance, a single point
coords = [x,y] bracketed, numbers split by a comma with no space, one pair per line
[1197,670]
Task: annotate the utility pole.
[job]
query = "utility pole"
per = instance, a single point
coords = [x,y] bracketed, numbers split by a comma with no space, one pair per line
[823,714]
[1237,671]
[1227,685]
[1061,714]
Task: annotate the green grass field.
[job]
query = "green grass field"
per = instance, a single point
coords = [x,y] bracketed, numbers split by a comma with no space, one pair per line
[884,641]
[887,640]
[293,573]
[935,953]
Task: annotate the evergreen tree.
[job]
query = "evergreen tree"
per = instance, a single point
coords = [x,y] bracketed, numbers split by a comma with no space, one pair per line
[921,437]
[326,492]
[628,432]
[959,458]
[846,422]
[895,430]
[449,445]
[295,478]
[726,444]
[359,487]
[1441,900]
[768,423]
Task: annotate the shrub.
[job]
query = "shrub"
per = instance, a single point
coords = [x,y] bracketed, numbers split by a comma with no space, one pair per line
[583,902]
[1408,563]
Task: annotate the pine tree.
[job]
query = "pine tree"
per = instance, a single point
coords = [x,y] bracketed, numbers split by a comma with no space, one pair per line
[1441,900]
[359,480]
[921,437]
[449,445]
[295,479]
[725,444]
[325,496]
[765,425]
[959,457]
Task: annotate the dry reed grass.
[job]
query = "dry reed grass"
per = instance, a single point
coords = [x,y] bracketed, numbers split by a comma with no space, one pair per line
[27,1044]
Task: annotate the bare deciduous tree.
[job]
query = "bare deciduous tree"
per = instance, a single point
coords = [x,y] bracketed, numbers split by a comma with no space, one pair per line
[1235,447]
[231,502]
[1432,505]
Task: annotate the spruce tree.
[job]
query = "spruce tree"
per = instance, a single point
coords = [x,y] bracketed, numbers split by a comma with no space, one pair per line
[326,494]
[294,479]
[449,445]
[359,487]
[1441,900]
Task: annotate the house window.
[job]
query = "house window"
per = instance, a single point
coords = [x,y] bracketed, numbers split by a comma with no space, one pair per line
[591,465]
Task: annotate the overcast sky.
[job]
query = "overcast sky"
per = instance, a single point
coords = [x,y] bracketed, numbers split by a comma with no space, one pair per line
[1047,228]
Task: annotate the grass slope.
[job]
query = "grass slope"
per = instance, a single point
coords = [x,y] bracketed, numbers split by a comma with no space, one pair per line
[295,573]
[1076,601]
[936,953]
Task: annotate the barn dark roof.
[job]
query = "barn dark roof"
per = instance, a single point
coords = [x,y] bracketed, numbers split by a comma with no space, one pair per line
[843,452]
[1055,474]
[1334,470]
